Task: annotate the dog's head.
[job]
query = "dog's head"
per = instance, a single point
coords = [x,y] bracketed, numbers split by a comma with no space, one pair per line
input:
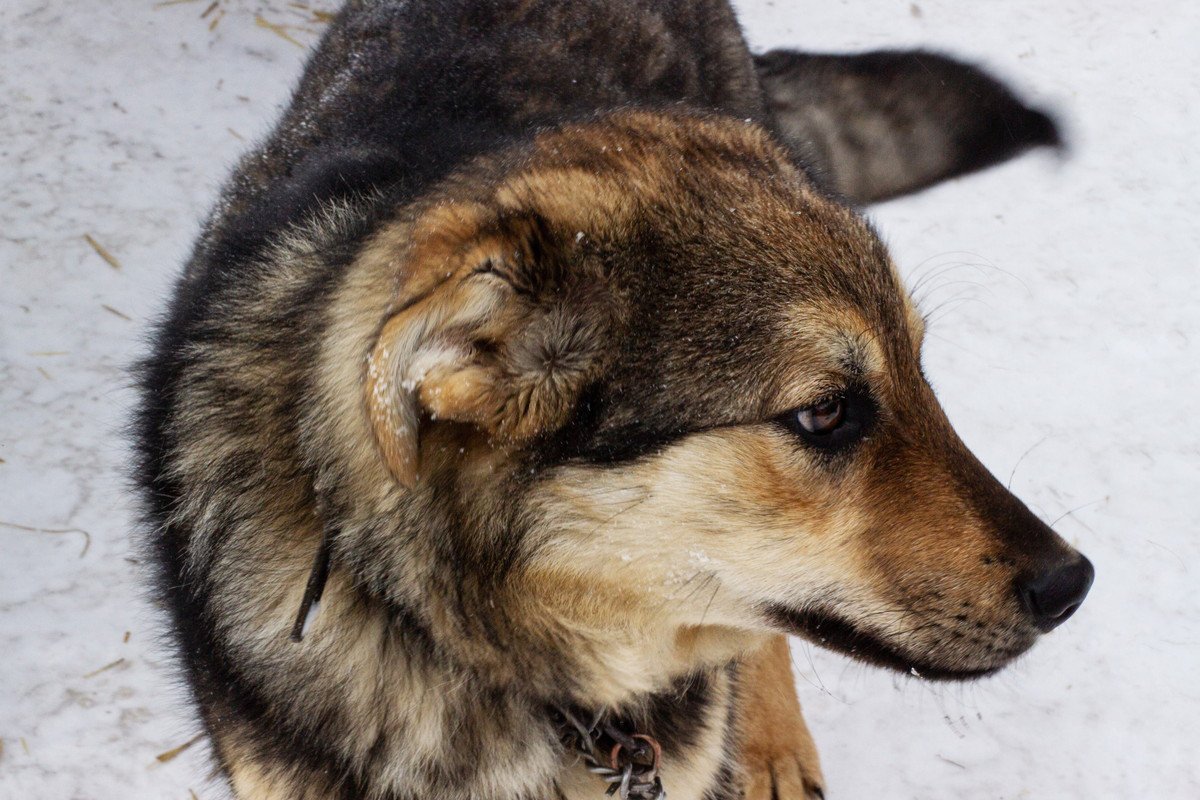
[697,380]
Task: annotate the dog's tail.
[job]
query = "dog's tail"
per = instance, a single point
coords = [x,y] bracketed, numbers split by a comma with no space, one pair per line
[887,123]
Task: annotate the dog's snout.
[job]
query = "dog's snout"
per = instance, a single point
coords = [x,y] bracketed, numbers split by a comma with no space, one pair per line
[1054,594]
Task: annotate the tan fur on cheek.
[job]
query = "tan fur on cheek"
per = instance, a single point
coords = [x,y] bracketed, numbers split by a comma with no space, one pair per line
[712,530]
[780,530]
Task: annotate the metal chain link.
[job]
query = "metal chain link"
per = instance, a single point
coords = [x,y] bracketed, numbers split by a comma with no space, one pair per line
[620,768]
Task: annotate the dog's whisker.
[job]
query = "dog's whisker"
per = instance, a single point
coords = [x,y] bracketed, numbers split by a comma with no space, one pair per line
[1031,448]
[608,520]
[953,303]
[933,274]
[938,270]
[673,595]
[607,490]
[963,286]
[933,266]
[1071,513]
[820,684]
[926,312]
[716,588]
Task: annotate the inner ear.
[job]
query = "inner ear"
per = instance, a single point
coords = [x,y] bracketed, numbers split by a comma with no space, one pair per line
[505,343]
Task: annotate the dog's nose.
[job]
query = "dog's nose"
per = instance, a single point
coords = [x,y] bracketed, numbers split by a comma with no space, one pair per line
[1053,595]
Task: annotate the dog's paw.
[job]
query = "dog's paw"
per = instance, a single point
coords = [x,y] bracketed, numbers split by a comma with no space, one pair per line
[777,756]
[782,777]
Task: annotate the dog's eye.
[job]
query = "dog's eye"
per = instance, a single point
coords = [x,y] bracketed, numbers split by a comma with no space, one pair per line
[823,418]
[833,423]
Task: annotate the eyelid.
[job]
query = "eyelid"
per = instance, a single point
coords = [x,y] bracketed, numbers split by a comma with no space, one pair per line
[826,399]
[809,395]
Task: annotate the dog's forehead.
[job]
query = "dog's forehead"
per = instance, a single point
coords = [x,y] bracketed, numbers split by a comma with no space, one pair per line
[739,272]
[752,313]
[784,267]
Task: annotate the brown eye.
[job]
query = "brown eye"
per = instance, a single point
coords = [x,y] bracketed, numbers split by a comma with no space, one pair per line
[833,424]
[823,418]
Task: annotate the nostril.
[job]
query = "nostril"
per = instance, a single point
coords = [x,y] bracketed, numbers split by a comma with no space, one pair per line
[1054,595]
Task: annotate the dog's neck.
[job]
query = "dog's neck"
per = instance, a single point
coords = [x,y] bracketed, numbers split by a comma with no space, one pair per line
[519,624]
[622,645]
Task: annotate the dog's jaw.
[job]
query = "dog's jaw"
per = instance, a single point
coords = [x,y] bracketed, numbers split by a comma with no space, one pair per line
[833,631]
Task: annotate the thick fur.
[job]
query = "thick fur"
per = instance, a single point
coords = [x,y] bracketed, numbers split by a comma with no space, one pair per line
[515,303]
[888,123]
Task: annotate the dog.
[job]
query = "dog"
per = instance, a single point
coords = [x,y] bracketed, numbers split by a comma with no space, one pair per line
[537,376]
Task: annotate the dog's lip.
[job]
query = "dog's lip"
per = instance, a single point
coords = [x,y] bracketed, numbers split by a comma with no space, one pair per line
[836,633]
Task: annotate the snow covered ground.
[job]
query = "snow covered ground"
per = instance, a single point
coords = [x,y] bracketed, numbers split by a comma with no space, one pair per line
[1066,347]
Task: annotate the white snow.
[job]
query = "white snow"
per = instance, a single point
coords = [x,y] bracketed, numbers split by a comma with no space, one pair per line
[1064,346]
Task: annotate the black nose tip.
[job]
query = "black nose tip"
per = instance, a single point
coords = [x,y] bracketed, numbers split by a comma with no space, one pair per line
[1052,596]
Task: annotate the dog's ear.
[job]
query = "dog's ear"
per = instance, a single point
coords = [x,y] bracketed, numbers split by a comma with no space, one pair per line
[503,323]
[883,124]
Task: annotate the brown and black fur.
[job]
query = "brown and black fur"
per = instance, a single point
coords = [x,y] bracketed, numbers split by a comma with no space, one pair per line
[517,305]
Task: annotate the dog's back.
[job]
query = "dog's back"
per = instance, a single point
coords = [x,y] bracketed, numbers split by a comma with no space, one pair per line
[399,93]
